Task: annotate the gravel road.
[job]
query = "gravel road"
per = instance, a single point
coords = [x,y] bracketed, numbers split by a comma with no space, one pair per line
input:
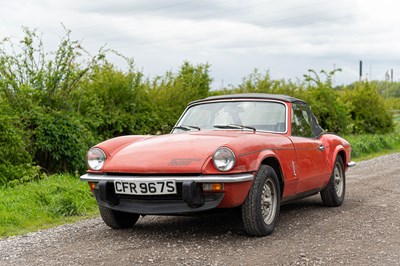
[364,231]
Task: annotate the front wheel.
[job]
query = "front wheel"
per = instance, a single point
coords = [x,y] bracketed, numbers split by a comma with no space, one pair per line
[261,207]
[333,194]
[117,219]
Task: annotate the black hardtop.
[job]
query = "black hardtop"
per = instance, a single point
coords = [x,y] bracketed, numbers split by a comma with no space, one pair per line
[261,96]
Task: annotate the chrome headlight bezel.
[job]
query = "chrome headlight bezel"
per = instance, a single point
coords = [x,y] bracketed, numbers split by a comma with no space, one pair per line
[224,159]
[95,159]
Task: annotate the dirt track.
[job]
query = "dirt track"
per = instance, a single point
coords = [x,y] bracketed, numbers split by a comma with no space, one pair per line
[364,231]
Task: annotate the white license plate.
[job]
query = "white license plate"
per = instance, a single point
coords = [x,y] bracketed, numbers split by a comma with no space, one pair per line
[145,187]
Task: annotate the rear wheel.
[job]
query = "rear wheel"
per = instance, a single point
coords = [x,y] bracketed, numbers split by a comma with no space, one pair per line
[261,207]
[333,194]
[117,219]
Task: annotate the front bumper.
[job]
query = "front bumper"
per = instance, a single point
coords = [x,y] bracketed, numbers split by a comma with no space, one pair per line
[190,197]
[198,178]
[351,164]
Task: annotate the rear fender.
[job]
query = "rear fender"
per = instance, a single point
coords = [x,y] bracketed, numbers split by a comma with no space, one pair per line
[339,151]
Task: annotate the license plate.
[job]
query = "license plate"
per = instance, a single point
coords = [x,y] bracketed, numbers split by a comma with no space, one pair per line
[145,187]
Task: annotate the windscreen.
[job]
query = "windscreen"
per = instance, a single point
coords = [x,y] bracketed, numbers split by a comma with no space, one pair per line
[261,115]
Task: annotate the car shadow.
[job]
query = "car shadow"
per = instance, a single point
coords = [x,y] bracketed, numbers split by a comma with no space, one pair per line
[293,216]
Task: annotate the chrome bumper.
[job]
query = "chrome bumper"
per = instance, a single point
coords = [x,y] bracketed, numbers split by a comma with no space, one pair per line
[351,164]
[235,178]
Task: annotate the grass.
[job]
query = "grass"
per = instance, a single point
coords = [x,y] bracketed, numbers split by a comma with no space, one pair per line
[368,146]
[49,202]
[61,199]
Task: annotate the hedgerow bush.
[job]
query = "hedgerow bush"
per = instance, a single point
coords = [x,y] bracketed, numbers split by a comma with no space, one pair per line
[61,141]
[367,109]
[64,101]
[16,163]
[353,109]
[55,105]
[37,85]
[326,102]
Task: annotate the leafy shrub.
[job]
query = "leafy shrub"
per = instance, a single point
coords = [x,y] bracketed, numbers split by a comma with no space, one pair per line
[37,86]
[16,163]
[324,100]
[326,103]
[62,102]
[13,147]
[393,103]
[61,142]
[112,102]
[367,108]
[169,94]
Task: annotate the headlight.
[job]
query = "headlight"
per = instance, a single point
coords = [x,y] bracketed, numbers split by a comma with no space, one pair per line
[224,159]
[96,158]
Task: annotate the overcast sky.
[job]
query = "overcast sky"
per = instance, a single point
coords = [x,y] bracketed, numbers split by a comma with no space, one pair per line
[286,37]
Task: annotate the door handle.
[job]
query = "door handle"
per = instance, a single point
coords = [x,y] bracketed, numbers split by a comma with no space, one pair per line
[321,147]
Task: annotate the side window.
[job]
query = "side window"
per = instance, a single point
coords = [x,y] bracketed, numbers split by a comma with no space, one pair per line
[302,125]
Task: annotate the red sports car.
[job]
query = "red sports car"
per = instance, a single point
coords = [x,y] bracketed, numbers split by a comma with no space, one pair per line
[248,151]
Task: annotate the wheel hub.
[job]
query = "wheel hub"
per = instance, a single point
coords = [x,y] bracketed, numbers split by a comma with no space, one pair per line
[268,202]
[338,180]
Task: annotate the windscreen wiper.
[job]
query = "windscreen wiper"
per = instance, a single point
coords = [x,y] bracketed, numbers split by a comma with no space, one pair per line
[235,126]
[186,128]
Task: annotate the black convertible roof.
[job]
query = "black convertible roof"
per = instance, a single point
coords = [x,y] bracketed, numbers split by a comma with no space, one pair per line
[279,97]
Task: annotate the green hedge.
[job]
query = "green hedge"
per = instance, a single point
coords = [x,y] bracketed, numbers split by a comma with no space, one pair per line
[55,105]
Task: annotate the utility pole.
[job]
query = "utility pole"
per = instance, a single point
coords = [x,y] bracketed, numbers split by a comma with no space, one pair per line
[360,70]
[391,75]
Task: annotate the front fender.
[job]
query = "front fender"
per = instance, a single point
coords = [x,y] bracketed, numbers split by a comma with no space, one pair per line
[245,163]
[286,159]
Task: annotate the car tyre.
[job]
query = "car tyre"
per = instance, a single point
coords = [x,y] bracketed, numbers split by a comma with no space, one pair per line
[117,219]
[333,194]
[261,208]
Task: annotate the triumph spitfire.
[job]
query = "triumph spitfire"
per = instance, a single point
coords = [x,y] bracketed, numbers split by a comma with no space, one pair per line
[252,152]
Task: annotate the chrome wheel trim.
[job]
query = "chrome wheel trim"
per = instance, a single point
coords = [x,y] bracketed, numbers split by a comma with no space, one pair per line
[268,201]
[338,180]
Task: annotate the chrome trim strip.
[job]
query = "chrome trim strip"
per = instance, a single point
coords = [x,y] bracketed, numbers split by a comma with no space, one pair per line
[200,178]
[351,164]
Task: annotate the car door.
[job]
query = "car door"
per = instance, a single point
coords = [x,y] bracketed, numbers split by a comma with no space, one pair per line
[311,163]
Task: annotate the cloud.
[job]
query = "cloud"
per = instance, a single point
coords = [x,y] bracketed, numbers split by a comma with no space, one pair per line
[286,36]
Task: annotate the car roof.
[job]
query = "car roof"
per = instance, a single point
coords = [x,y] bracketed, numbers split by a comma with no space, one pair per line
[261,96]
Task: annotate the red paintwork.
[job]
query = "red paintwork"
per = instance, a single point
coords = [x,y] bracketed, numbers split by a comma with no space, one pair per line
[235,194]
[303,167]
